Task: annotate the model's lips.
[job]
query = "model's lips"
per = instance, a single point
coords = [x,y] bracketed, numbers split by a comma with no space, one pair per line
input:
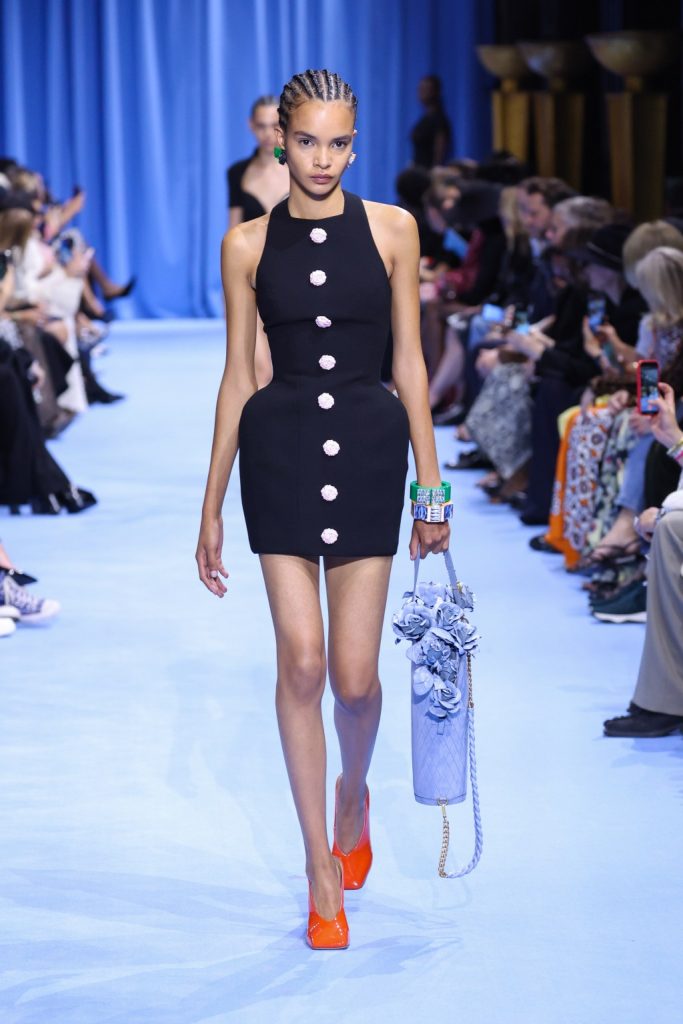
[321,178]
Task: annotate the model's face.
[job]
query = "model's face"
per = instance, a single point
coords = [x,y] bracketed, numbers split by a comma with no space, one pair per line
[264,126]
[318,144]
[534,213]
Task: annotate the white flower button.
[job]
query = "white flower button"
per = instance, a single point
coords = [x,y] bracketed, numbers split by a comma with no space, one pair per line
[329,535]
[317,277]
[325,401]
[329,492]
[318,235]
[323,321]
[331,447]
[327,362]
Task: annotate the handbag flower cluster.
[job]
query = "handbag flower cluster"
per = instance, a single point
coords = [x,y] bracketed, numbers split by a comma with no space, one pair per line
[433,620]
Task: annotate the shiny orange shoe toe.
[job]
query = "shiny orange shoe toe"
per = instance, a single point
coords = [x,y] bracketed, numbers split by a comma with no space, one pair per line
[357,862]
[323,932]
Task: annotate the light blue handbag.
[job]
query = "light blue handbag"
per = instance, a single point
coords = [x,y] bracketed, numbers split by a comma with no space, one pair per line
[442,642]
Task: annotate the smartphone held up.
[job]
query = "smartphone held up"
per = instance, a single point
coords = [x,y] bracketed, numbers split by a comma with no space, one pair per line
[647,379]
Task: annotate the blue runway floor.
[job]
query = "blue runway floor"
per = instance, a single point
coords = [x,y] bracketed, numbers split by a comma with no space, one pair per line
[151,869]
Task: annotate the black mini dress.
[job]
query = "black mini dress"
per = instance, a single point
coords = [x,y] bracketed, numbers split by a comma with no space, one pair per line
[323,448]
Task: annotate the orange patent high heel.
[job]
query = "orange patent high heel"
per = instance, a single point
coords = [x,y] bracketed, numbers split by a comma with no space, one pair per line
[357,862]
[323,933]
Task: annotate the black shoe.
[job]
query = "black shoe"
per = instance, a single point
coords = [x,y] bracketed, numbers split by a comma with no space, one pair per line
[122,293]
[48,506]
[453,415]
[539,543]
[96,393]
[21,578]
[640,723]
[533,519]
[470,460]
[76,500]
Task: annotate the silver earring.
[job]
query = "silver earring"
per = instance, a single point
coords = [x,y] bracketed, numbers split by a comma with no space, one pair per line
[351,159]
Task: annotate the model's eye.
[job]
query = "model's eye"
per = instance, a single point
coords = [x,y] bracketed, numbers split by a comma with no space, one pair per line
[304,142]
[340,144]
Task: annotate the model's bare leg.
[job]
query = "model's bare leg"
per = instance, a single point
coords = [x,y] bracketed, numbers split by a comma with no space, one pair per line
[356,598]
[294,596]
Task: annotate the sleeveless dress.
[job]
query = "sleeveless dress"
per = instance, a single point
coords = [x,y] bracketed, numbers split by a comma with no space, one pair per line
[323,448]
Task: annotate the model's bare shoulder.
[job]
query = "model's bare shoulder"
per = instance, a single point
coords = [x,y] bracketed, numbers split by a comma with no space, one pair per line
[242,245]
[390,217]
[392,223]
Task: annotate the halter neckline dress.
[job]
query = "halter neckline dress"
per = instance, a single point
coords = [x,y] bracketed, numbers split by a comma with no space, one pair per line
[323,448]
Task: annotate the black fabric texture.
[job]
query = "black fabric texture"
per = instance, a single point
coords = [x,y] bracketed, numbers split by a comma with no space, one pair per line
[283,465]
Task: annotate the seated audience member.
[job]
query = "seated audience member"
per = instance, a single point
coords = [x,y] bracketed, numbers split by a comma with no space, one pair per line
[463,332]
[475,211]
[565,367]
[411,186]
[660,277]
[657,705]
[596,440]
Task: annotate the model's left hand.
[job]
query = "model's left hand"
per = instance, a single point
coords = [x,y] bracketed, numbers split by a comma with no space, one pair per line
[426,537]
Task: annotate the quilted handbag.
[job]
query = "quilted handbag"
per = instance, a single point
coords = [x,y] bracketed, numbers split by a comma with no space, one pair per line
[442,642]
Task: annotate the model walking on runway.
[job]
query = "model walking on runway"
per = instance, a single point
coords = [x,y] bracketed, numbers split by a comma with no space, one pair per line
[323,460]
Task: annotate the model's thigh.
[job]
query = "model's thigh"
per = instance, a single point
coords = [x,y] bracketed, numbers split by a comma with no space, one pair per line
[356,599]
[293,588]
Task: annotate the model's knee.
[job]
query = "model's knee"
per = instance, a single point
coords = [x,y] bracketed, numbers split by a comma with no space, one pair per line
[355,693]
[301,674]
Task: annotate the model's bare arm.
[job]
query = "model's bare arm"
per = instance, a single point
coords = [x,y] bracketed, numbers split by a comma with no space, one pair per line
[238,384]
[408,368]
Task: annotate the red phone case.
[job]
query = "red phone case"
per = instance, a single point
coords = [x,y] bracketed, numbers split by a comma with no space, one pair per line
[639,381]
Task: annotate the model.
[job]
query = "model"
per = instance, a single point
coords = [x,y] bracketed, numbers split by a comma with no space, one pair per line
[323,460]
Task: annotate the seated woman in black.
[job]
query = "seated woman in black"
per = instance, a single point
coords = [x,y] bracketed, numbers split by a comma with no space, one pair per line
[255,185]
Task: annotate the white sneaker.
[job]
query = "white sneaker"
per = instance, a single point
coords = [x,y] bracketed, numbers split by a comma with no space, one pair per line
[25,608]
[7,627]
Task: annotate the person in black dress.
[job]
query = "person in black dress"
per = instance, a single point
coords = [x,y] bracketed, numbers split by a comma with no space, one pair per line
[323,459]
[432,135]
[255,185]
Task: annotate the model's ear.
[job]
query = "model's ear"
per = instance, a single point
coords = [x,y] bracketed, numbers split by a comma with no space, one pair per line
[280,136]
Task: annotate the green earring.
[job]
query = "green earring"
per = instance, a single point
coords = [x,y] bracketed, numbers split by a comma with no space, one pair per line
[280,155]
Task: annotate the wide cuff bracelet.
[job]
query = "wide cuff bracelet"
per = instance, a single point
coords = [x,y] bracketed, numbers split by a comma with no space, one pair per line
[430,495]
[432,513]
[676,450]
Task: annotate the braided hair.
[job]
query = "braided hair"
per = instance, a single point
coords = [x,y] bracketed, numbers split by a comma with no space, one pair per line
[314,85]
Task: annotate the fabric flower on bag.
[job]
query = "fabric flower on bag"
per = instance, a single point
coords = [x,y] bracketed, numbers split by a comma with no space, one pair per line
[447,615]
[412,622]
[465,637]
[434,622]
[429,593]
[445,700]
[432,652]
[464,597]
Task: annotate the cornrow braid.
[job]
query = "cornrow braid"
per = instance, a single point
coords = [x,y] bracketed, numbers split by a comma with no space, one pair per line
[314,85]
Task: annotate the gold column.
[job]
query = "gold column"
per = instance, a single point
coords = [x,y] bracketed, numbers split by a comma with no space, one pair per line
[559,113]
[511,107]
[636,118]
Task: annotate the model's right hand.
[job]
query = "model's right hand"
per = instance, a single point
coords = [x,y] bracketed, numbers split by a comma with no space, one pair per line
[209,561]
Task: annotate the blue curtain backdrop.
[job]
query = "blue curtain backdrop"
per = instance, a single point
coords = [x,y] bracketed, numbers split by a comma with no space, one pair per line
[144,104]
